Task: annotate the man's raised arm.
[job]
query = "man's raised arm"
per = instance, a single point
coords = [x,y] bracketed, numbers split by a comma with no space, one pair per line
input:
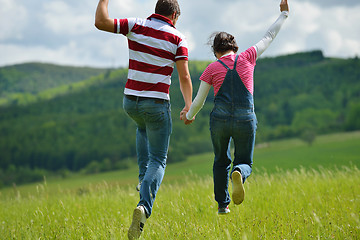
[102,20]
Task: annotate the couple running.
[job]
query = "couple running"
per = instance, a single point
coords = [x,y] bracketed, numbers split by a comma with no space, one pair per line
[155,47]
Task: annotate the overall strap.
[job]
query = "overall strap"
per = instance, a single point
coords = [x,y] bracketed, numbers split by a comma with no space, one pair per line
[237,56]
[223,64]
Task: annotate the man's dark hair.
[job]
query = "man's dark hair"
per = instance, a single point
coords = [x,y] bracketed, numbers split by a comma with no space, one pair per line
[222,42]
[167,7]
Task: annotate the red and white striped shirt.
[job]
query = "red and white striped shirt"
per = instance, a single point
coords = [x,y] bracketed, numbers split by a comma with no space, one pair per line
[215,73]
[154,47]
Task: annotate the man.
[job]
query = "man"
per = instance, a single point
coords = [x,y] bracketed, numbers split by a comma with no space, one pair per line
[155,46]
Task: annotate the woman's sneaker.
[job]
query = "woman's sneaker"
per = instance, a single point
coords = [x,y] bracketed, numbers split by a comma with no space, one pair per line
[138,222]
[224,210]
[238,193]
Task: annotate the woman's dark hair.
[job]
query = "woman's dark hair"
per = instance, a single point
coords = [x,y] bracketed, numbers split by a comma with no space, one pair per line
[167,7]
[221,42]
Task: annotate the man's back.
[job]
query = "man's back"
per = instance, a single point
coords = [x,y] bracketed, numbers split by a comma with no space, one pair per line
[154,46]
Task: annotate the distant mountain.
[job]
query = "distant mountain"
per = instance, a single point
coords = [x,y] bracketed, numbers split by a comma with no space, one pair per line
[21,84]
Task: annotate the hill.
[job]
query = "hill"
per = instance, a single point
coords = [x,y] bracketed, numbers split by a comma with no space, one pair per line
[79,125]
[22,84]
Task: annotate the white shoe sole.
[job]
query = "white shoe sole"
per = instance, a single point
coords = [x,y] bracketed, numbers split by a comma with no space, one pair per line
[238,193]
[138,187]
[135,228]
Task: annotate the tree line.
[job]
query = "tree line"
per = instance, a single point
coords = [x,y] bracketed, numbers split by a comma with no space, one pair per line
[299,95]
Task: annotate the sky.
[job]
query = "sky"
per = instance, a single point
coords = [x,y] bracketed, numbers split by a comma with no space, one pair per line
[63,32]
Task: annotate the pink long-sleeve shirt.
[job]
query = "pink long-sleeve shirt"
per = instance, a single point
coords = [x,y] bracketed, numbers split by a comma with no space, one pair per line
[215,73]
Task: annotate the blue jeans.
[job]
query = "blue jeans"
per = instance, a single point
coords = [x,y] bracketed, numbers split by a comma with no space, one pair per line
[241,127]
[153,120]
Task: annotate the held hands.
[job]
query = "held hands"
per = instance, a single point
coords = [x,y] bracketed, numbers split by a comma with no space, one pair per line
[183,117]
[284,6]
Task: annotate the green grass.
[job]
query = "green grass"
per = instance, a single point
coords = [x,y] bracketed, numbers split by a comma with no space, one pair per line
[298,204]
[295,192]
[328,151]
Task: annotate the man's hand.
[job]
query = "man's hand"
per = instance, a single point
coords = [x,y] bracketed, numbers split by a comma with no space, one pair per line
[284,6]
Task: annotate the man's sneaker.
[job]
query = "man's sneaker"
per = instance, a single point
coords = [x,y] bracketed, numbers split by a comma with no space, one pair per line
[238,193]
[138,187]
[138,222]
[224,210]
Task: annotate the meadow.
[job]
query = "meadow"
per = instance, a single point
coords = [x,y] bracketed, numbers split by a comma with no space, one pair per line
[295,192]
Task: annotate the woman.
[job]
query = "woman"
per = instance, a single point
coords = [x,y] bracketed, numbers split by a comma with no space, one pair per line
[233,114]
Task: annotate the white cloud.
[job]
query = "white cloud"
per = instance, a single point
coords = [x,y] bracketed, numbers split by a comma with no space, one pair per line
[108,52]
[13,18]
[43,54]
[131,8]
[247,17]
[61,18]
[310,26]
[302,23]
[191,40]
[62,31]
[339,31]
[330,3]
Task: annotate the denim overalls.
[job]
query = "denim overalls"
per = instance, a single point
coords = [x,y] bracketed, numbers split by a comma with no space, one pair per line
[233,117]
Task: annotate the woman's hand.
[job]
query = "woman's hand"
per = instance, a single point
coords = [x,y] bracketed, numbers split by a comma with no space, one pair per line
[183,117]
[284,6]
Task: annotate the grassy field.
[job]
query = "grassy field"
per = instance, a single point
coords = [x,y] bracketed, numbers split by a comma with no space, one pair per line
[295,192]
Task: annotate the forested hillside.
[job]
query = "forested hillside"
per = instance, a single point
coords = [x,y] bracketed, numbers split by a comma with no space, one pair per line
[25,83]
[307,92]
[77,123]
